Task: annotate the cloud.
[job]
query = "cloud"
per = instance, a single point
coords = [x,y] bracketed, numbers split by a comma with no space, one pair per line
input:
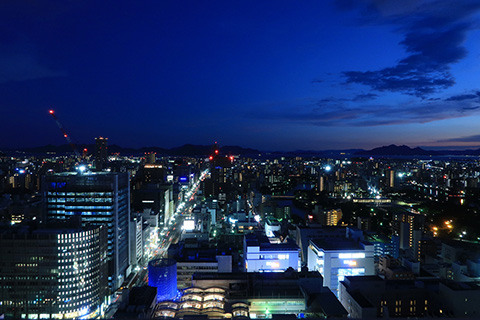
[473,138]
[461,97]
[365,97]
[358,98]
[338,112]
[433,36]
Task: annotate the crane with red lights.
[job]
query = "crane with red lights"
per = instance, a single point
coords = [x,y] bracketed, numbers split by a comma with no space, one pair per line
[64,132]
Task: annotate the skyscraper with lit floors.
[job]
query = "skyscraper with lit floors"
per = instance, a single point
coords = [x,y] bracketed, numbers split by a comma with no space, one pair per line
[53,271]
[100,198]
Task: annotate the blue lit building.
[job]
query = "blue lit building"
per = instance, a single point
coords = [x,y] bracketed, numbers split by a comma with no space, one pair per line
[384,246]
[262,254]
[337,258]
[100,198]
[162,274]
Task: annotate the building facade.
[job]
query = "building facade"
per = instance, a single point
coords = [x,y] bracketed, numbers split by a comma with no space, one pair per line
[337,259]
[261,255]
[53,272]
[99,198]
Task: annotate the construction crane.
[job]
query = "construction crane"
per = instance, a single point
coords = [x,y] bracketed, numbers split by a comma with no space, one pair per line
[65,135]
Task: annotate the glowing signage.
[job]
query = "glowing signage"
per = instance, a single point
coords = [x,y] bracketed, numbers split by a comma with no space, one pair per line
[351,263]
[189,225]
[351,255]
[273,264]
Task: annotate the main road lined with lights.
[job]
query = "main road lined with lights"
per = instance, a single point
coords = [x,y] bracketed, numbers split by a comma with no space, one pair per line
[172,231]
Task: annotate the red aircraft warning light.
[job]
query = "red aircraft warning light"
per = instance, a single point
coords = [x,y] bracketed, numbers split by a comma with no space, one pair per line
[216,151]
[211,158]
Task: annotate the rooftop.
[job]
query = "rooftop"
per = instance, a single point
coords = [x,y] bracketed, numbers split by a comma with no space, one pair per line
[337,244]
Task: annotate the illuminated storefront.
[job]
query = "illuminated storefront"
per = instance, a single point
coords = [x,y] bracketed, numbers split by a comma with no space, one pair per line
[197,301]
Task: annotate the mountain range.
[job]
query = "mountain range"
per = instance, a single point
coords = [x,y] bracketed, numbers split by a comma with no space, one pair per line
[205,150]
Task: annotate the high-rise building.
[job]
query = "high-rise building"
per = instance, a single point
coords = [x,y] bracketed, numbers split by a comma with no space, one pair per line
[404,224]
[391,178]
[333,217]
[150,157]
[100,198]
[53,271]
[101,153]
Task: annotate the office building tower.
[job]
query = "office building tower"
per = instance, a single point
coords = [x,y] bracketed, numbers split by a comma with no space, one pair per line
[333,217]
[404,224]
[337,258]
[100,198]
[136,239]
[151,157]
[53,271]
[391,178]
[101,153]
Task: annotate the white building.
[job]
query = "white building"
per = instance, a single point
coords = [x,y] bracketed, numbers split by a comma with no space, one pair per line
[261,255]
[337,258]
[136,240]
[186,268]
[271,225]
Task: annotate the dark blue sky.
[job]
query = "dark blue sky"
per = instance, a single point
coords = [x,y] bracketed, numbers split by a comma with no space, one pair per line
[277,75]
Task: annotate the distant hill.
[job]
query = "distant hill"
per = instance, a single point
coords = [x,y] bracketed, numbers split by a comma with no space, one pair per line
[394,150]
[185,150]
[192,150]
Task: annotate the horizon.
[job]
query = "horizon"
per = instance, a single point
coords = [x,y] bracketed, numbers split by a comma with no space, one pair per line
[426,148]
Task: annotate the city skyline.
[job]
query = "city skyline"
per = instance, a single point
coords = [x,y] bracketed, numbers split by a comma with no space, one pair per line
[316,75]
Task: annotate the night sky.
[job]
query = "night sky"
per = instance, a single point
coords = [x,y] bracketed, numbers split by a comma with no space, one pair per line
[274,75]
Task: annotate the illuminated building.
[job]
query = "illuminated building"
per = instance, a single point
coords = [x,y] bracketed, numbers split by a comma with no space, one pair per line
[196,256]
[210,302]
[391,178]
[384,246]
[136,240]
[271,225]
[305,234]
[101,153]
[261,255]
[162,274]
[220,166]
[100,198]
[404,224]
[151,157]
[337,258]
[269,293]
[53,271]
[333,217]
